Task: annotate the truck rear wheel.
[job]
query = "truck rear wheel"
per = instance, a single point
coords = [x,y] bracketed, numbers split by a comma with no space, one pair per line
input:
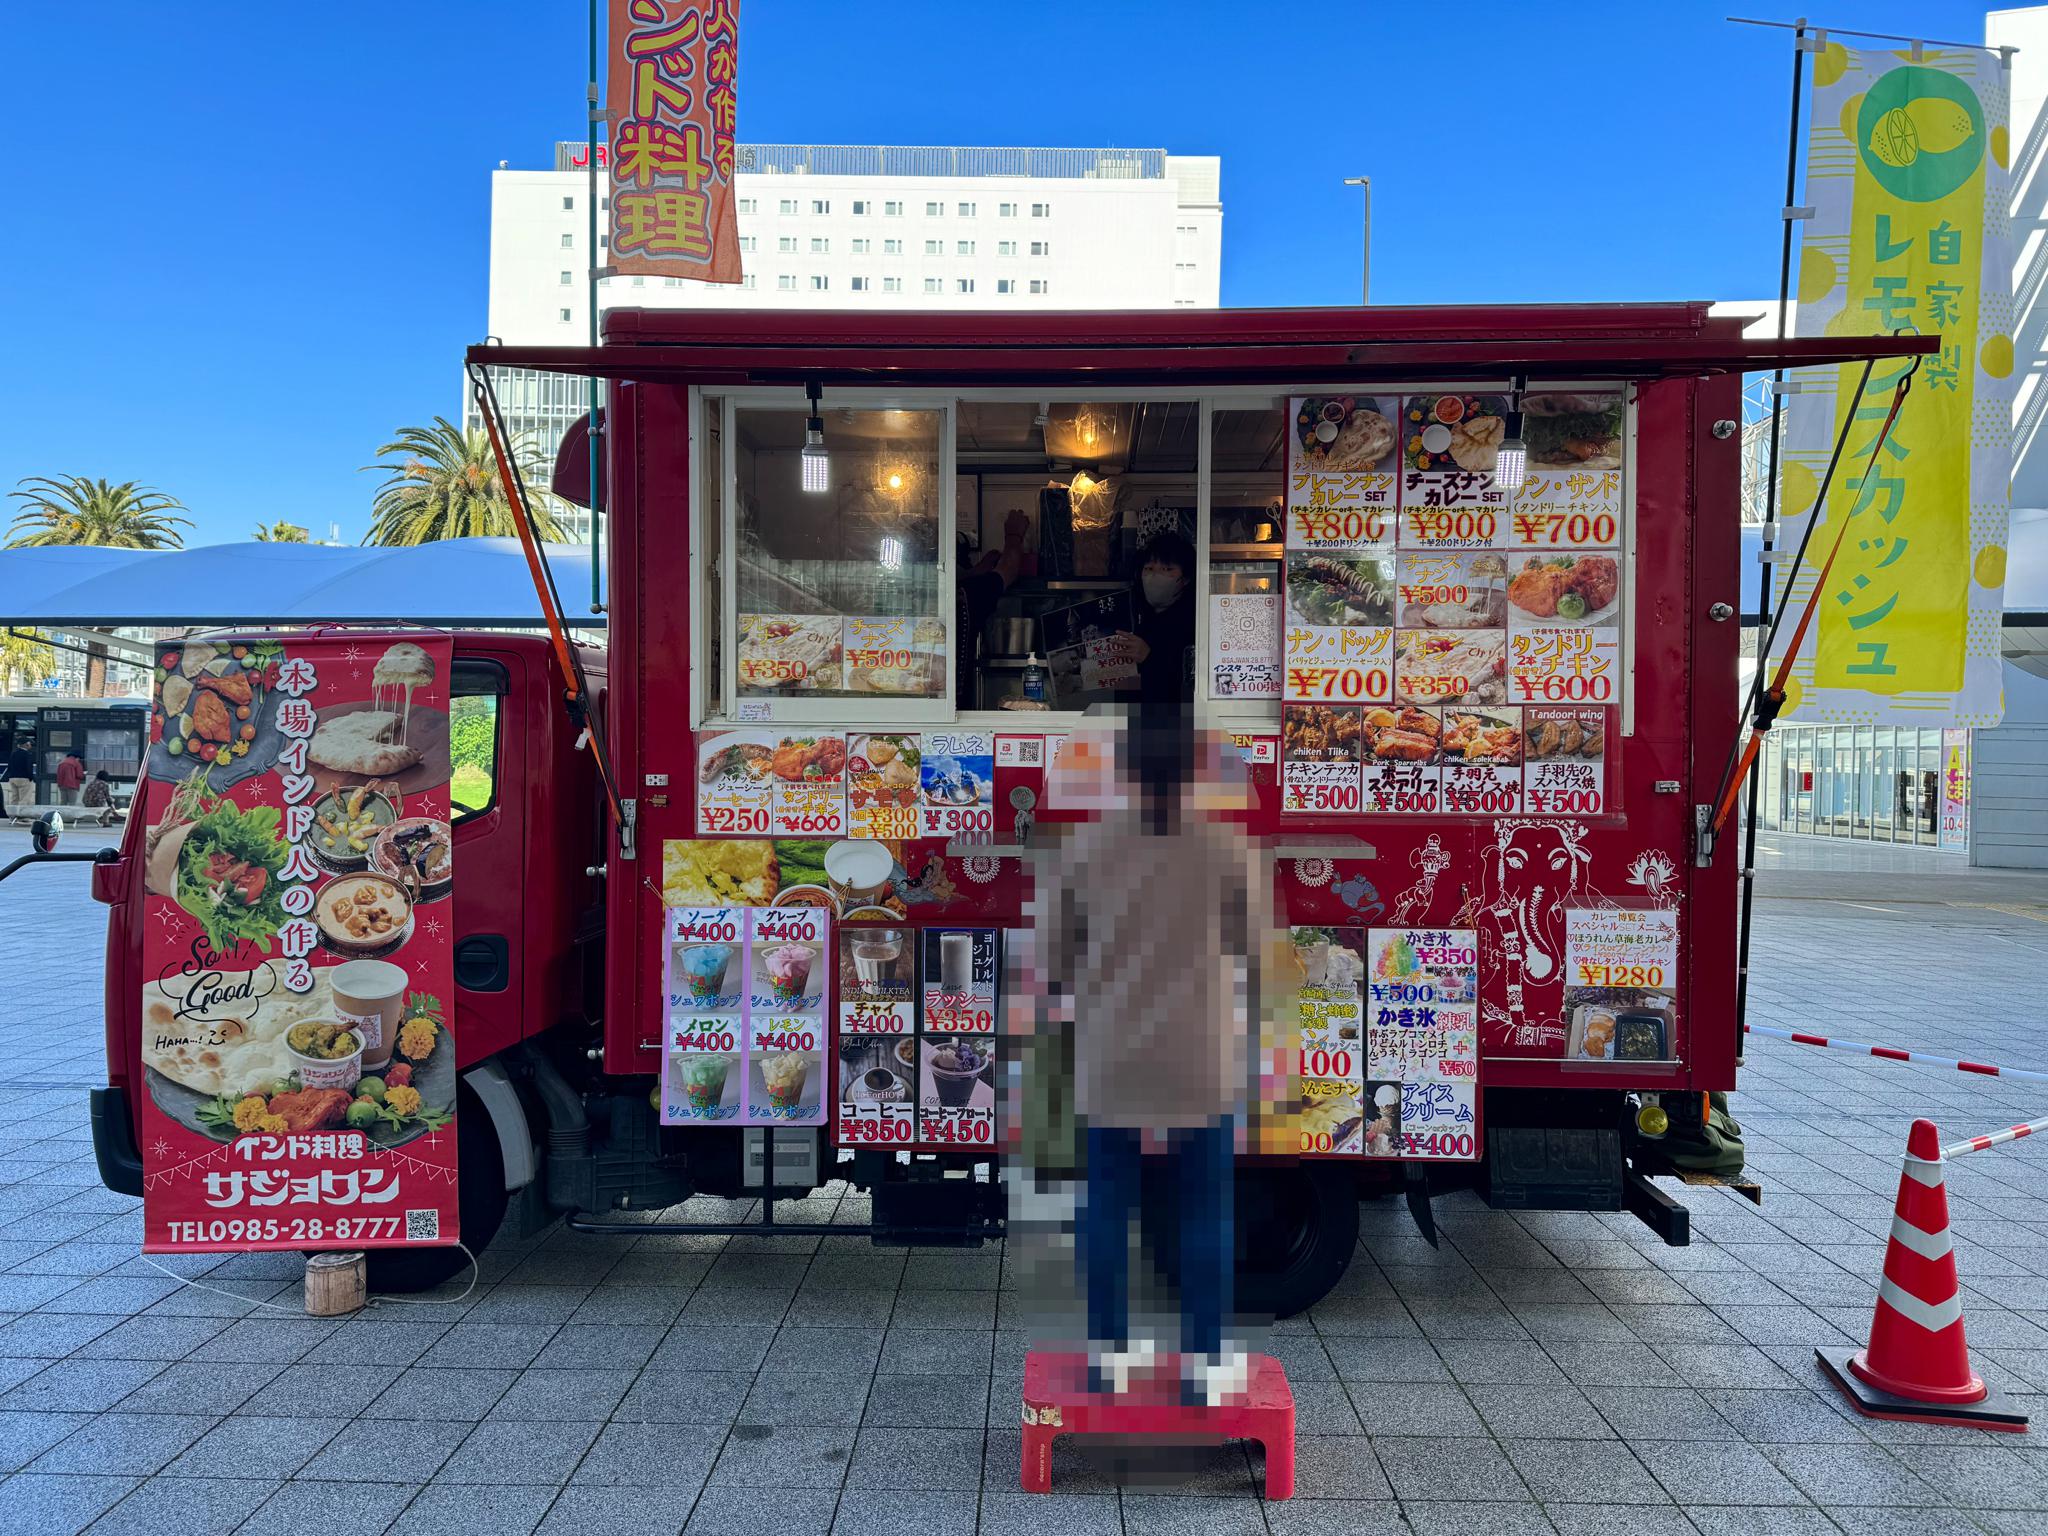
[481,1202]
[1297,1228]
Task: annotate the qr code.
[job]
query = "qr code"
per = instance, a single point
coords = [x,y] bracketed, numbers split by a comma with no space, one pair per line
[422,1226]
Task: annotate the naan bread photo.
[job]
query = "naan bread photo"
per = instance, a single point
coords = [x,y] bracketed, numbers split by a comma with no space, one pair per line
[362,742]
[237,1044]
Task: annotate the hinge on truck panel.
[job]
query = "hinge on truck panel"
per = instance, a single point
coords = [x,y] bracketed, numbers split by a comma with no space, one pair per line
[629,818]
[1703,835]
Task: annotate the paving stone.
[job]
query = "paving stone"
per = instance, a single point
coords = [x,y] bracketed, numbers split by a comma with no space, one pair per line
[587,1394]
[658,1456]
[1437,1518]
[256,1447]
[1852,1474]
[1701,1472]
[1541,1413]
[1015,1513]
[584,1511]
[132,1443]
[186,1506]
[80,1386]
[446,1510]
[902,1512]
[938,1402]
[501,1453]
[1583,1471]
[51,1505]
[911,1458]
[1436,1468]
[332,1509]
[760,1512]
[403,1451]
[25,1436]
[1150,1514]
[428,1392]
[684,1397]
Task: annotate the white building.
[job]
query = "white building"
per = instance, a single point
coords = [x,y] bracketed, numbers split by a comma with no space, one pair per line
[868,226]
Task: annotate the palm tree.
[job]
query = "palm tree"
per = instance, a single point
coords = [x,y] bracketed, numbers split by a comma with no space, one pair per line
[444,485]
[281,532]
[25,658]
[75,510]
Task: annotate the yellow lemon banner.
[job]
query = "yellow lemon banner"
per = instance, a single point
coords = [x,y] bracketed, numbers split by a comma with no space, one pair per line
[1907,175]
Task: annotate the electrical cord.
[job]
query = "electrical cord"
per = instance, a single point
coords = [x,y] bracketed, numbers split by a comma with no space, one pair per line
[475,1273]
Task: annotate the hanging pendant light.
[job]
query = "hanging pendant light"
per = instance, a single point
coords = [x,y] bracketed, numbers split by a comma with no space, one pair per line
[1513,461]
[816,465]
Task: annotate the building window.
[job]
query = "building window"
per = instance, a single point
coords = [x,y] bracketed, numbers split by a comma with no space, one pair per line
[935,247]
[785,283]
[1041,248]
[565,316]
[604,242]
[1041,210]
[746,280]
[820,282]
[786,244]
[892,210]
[1007,210]
[639,282]
[858,284]
[892,247]
[963,247]
[963,285]
[935,210]
[568,242]
[1006,247]
[568,278]
[1038,285]
[860,206]
[821,245]
[671,282]
[747,242]
[747,205]
[821,205]
[892,285]
[1005,285]
[1185,229]
[788,205]
[604,205]
[859,247]
[933,285]
[568,205]
[966,210]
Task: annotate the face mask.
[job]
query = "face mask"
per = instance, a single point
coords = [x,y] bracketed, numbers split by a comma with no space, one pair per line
[1160,588]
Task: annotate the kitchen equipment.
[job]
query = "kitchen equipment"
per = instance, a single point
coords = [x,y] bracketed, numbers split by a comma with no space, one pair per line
[1012,635]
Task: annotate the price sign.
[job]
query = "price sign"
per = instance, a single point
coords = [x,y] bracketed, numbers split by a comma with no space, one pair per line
[959,1017]
[864,1123]
[1482,789]
[865,1016]
[957,784]
[1340,511]
[1557,664]
[1319,788]
[735,788]
[1403,788]
[1564,768]
[699,1035]
[810,809]
[966,1128]
[773,1034]
[1622,947]
[1541,526]
[1452,509]
[884,656]
[959,980]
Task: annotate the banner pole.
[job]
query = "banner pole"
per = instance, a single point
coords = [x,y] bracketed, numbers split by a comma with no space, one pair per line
[591,439]
[1767,605]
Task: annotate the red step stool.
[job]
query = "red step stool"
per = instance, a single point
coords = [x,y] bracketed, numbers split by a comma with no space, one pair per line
[1057,1402]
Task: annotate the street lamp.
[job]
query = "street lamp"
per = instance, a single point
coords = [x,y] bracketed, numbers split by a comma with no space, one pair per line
[1365,265]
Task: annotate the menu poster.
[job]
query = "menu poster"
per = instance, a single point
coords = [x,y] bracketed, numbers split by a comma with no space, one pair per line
[735,785]
[809,770]
[705,979]
[957,777]
[1564,768]
[787,978]
[877,992]
[1433,666]
[1564,628]
[1456,591]
[1403,760]
[881,787]
[877,1096]
[1342,464]
[956,1098]
[904,658]
[297,1057]
[1422,997]
[1244,645]
[959,980]
[1482,762]
[1330,996]
[1571,494]
[1331,1118]
[1620,981]
[1319,757]
[790,653]
[1449,497]
[1338,643]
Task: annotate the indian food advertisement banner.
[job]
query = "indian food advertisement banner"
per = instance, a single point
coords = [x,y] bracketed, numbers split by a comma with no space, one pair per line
[673,102]
[1907,172]
[1438,627]
[1621,984]
[298,1055]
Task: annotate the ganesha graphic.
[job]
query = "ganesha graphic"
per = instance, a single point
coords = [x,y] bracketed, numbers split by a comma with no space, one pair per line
[1533,871]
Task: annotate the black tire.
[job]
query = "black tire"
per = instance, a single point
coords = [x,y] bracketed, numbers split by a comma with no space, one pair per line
[398,1271]
[1297,1228]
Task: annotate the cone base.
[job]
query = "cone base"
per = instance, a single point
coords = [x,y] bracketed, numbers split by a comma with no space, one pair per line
[1993,1411]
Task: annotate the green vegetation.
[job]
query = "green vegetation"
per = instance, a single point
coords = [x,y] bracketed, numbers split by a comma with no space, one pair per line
[75,510]
[472,749]
[445,485]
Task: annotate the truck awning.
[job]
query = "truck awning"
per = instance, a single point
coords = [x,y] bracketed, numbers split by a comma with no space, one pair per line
[453,583]
[1231,347]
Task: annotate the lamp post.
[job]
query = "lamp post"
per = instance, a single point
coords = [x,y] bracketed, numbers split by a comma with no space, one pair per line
[1365,264]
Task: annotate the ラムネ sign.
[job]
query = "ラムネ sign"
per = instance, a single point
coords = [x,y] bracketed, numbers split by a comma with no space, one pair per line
[298,1068]
[674,103]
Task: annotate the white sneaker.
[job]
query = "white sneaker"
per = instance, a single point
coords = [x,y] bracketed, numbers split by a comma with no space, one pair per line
[1215,1379]
[1110,1369]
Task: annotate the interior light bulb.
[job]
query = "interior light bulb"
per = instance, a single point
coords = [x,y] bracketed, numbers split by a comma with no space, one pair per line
[895,481]
[1511,465]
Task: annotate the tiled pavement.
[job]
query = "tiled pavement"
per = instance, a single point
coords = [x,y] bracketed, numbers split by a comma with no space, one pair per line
[1534,1373]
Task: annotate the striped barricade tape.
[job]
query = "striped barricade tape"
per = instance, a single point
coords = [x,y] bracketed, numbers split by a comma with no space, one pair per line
[1996,1138]
[1893,1053]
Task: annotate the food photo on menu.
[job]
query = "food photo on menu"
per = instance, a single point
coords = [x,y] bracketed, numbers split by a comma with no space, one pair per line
[1573,431]
[1579,589]
[1451,591]
[1320,733]
[1340,591]
[1346,432]
[1454,432]
[1447,667]
[782,653]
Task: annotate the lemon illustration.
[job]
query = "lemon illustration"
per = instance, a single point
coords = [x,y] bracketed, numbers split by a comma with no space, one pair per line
[1818,273]
[1830,64]
[1926,125]
[2001,145]
[1996,356]
[1989,569]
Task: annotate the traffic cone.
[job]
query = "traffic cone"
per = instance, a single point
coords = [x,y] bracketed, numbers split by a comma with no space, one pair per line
[1917,1365]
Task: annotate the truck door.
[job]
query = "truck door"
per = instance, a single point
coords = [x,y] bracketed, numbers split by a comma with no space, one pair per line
[488,810]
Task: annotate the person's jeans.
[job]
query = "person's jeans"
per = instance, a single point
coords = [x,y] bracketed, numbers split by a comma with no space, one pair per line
[1199,1185]
[67,797]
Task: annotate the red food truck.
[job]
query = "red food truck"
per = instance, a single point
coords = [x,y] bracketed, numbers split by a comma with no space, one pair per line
[1459,584]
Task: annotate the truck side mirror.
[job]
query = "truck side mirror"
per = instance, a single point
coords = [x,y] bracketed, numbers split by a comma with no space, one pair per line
[43,835]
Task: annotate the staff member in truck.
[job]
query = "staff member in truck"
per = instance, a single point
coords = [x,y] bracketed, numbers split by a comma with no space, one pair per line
[1164,642]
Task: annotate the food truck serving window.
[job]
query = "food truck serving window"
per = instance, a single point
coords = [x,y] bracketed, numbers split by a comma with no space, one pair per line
[839,579]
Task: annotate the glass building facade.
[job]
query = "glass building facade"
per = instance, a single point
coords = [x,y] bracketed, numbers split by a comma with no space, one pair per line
[1878,783]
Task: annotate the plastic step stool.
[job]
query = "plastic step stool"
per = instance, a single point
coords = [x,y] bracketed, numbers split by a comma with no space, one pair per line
[1057,1402]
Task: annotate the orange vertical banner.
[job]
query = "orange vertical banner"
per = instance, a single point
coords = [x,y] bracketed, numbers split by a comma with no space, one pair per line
[673,97]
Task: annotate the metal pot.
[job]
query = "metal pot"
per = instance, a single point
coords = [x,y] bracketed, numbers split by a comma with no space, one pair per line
[1012,636]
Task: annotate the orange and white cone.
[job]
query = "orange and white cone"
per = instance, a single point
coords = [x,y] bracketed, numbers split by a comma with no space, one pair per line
[1917,1364]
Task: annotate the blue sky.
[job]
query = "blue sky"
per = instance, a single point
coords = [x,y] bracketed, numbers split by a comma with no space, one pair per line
[247,242]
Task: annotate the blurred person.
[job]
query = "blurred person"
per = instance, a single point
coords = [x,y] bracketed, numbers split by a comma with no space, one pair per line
[20,779]
[70,774]
[1148,925]
[99,790]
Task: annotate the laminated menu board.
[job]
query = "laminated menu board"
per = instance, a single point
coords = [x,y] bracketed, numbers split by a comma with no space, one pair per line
[877,1020]
[745,1034]
[1570,496]
[808,769]
[1422,1050]
[956,1046]
[1621,984]
[882,786]
[1564,760]
[1564,628]
[957,780]
[1320,747]
[1330,1001]
[1450,498]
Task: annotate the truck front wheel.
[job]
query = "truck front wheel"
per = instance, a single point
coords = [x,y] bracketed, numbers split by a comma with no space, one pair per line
[1297,1228]
[482,1208]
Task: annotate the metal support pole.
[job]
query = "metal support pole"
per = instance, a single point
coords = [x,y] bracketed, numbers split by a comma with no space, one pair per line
[1365,261]
[592,441]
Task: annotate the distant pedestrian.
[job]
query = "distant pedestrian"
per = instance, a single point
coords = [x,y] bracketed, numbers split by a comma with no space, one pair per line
[19,782]
[99,790]
[70,775]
